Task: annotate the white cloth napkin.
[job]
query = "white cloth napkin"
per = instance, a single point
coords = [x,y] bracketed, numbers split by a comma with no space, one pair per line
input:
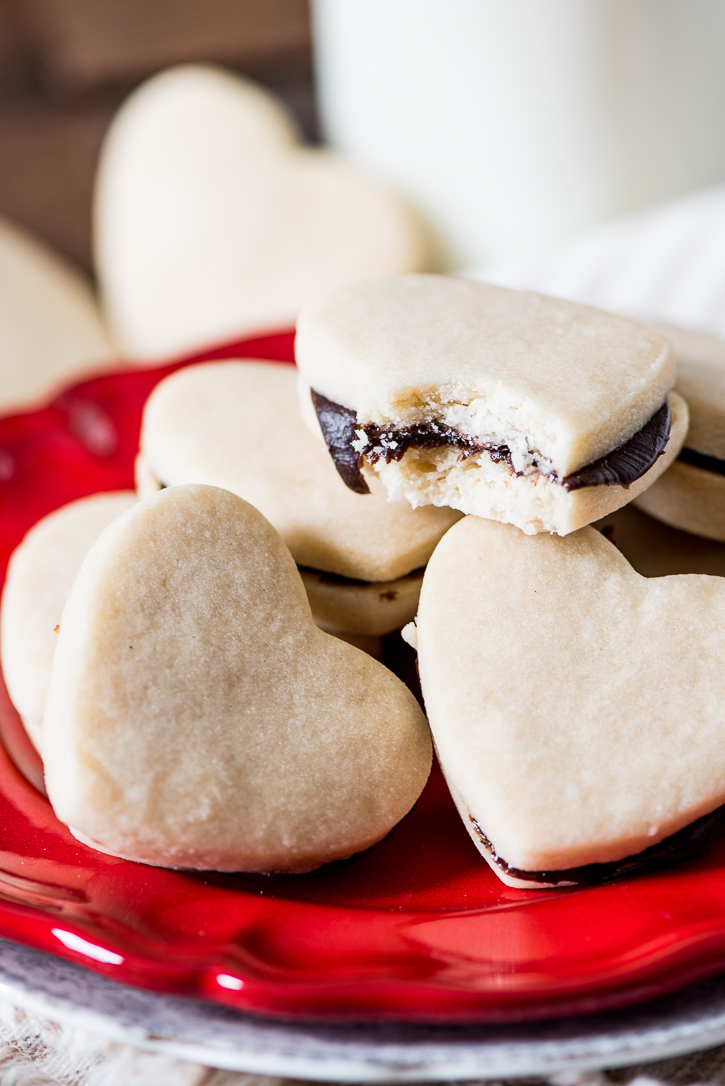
[36,1052]
[667,262]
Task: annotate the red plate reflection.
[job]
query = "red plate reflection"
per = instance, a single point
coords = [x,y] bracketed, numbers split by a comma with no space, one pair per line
[418,928]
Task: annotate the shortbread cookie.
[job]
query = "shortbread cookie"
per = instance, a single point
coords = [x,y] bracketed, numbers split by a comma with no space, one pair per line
[237,425]
[655,549]
[576,706]
[196,716]
[346,606]
[512,406]
[212,220]
[40,574]
[361,607]
[50,325]
[691,493]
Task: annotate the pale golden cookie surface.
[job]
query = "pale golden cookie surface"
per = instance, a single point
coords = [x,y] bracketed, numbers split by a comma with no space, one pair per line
[540,387]
[576,706]
[213,220]
[51,330]
[40,574]
[196,717]
[237,425]
[691,495]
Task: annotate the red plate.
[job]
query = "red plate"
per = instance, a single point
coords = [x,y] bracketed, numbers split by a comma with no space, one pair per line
[419,928]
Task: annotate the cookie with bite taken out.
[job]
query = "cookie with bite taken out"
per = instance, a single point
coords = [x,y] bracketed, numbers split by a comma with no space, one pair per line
[513,406]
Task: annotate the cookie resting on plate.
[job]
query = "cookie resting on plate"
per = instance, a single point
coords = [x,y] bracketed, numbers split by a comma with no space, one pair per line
[576,706]
[196,716]
[40,574]
[516,407]
[237,425]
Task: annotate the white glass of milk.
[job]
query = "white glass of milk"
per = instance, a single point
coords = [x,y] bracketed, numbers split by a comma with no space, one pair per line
[515,124]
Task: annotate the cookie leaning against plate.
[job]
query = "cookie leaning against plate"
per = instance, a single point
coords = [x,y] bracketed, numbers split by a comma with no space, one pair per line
[196,716]
[237,425]
[576,707]
[513,406]
[691,493]
[40,574]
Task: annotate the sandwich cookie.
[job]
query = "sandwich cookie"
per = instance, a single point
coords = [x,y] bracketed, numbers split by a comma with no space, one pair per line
[513,406]
[691,493]
[576,707]
[40,574]
[196,716]
[237,425]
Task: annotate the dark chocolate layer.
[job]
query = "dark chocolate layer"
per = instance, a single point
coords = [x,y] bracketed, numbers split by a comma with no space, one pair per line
[699,460]
[338,425]
[340,428]
[686,844]
[390,445]
[630,461]
[337,578]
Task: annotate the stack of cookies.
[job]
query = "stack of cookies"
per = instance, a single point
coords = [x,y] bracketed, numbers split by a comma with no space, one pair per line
[435,463]
[238,425]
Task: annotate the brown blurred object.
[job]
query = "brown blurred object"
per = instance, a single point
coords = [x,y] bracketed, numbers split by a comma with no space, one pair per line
[65,66]
[85,47]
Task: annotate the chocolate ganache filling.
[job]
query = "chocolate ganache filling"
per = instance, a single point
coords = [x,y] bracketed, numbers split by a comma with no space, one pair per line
[700,460]
[340,428]
[326,577]
[686,844]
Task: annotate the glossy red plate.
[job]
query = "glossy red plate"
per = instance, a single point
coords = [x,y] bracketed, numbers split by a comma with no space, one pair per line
[419,928]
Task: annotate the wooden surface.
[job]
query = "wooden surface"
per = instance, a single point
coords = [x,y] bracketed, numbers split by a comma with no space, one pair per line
[65,66]
[81,47]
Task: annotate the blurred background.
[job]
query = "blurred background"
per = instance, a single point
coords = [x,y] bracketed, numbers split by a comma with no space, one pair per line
[516,131]
[511,127]
[66,65]
[514,126]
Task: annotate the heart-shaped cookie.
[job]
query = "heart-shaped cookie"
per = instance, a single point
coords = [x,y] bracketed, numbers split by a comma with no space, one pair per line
[576,707]
[237,425]
[50,325]
[196,716]
[213,220]
[513,406]
[40,574]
